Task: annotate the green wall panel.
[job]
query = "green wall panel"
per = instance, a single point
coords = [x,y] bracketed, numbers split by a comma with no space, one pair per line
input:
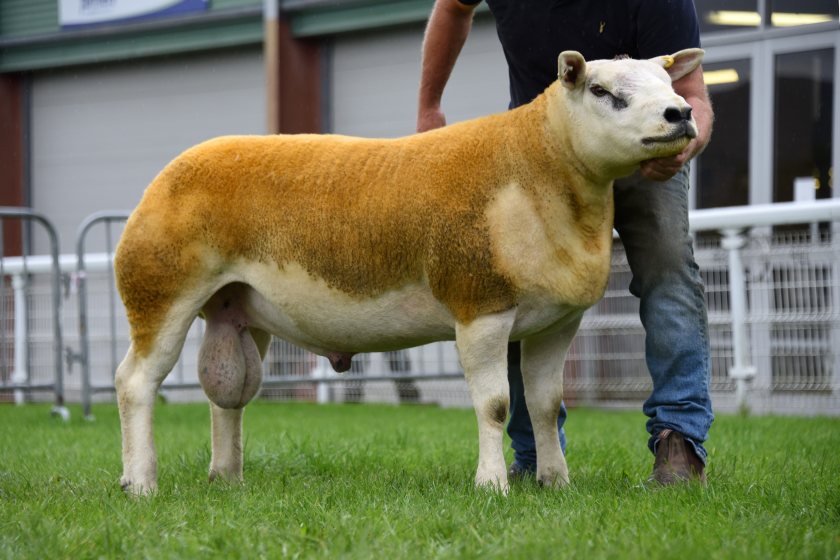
[340,19]
[36,17]
[330,18]
[28,17]
[39,56]
[30,38]
[225,4]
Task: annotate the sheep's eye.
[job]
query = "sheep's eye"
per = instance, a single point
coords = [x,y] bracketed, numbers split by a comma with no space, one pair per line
[598,91]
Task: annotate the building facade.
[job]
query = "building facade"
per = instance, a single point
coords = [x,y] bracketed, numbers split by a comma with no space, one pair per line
[91,112]
[93,103]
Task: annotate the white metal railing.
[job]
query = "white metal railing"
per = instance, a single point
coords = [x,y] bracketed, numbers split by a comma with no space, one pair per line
[759,215]
[732,223]
[767,344]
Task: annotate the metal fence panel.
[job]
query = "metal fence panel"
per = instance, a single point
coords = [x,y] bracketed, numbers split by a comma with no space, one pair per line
[791,327]
[31,334]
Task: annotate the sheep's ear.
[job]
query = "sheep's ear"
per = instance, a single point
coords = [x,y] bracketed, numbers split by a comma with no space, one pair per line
[680,63]
[571,69]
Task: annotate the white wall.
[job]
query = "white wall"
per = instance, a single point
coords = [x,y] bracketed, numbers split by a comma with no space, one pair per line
[375,76]
[100,134]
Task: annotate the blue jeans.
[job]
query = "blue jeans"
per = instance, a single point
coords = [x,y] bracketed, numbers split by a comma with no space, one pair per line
[652,220]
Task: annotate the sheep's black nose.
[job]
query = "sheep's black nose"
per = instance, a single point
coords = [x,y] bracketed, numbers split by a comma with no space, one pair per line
[675,115]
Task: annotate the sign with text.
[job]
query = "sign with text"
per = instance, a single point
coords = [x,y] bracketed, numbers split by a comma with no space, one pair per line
[87,13]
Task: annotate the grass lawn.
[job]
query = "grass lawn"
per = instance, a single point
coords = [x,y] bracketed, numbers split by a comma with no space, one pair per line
[362,481]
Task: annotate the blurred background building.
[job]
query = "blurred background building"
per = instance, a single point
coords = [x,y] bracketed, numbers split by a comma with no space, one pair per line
[95,100]
[96,96]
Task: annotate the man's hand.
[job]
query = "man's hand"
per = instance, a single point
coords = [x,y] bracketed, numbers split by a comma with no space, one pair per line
[693,89]
[662,169]
[446,32]
[430,119]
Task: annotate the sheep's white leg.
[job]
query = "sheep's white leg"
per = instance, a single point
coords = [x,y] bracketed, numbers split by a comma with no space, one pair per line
[542,372]
[482,347]
[226,429]
[226,438]
[137,381]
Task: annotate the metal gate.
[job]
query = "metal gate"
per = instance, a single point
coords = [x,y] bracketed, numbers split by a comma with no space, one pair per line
[29,365]
[773,312]
[108,219]
[288,370]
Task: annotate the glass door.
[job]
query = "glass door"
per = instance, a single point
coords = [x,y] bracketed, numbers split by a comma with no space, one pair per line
[803,84]
[722,170]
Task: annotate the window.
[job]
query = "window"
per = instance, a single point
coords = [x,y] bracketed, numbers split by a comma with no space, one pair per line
[723,168]
[789,13]
[804,83]
[735,15]
[727,15]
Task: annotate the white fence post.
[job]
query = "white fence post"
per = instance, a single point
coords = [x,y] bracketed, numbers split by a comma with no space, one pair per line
[835,302]
[741,371]
[322,389]
[20,375]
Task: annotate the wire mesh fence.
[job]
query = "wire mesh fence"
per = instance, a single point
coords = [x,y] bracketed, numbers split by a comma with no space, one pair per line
[30,315]
[792,322]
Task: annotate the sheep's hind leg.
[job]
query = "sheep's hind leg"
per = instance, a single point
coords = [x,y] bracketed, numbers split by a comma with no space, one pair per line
[482,347]
[230,371]
[137,381]
[226,459]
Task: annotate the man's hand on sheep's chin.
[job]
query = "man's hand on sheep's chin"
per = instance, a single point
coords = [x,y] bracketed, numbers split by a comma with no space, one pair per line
[662,169]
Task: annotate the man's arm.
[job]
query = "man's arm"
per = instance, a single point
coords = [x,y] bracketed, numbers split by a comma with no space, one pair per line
[446,33]
[693,89]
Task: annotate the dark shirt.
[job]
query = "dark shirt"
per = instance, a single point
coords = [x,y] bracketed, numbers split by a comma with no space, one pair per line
[534,32]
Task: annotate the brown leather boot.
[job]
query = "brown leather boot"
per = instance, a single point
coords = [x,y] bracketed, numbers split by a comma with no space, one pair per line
[676,462]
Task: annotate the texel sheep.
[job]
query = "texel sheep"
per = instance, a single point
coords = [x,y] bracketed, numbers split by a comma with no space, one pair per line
[495,229]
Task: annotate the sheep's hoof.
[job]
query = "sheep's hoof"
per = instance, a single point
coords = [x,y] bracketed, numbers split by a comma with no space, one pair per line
[553,480]
[135,489]
[222,476]
[499,485]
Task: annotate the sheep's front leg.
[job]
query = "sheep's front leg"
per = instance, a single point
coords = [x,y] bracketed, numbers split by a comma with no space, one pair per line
[543,358]
[482,347]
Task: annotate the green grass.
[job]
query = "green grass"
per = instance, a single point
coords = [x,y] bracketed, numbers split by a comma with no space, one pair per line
[381,482]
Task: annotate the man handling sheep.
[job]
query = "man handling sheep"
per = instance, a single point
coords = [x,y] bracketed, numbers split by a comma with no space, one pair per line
[651,206]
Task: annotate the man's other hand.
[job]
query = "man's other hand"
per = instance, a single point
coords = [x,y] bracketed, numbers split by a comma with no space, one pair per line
[430,119]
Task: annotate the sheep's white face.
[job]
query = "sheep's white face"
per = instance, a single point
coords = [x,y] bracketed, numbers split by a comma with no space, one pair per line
[625,111]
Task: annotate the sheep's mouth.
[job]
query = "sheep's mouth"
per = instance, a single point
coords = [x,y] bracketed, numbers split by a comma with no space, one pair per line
[681,131]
